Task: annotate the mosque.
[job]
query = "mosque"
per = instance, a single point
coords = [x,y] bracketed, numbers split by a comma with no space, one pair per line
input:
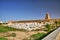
[32,24]
[47,19]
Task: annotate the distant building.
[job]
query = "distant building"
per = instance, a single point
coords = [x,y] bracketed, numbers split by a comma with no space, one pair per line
[1,22]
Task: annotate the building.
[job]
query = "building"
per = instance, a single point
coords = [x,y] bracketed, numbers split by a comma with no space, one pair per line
[47,17]
[32,24]
[1,22]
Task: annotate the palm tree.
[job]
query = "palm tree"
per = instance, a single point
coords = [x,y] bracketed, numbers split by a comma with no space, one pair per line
[56,23]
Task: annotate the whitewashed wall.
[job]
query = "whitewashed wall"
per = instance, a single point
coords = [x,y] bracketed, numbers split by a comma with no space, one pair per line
[27,26]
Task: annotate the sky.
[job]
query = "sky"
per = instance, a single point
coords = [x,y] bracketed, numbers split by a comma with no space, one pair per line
[28,9]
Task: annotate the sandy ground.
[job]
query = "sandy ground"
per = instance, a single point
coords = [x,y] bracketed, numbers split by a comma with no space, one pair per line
[21,35]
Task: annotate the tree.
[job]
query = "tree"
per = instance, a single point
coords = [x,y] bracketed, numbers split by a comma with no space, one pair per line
[57,23]
[48,27]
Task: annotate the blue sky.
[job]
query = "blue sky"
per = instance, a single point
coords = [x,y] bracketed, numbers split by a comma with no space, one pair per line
[28,9]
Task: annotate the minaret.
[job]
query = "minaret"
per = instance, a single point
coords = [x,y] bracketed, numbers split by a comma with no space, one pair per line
[47,17]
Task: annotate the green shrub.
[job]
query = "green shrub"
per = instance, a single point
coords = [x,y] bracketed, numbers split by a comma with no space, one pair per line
[2,29]
[13,35]
[37,36]
[3,38]
[6,29]
[48,27]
